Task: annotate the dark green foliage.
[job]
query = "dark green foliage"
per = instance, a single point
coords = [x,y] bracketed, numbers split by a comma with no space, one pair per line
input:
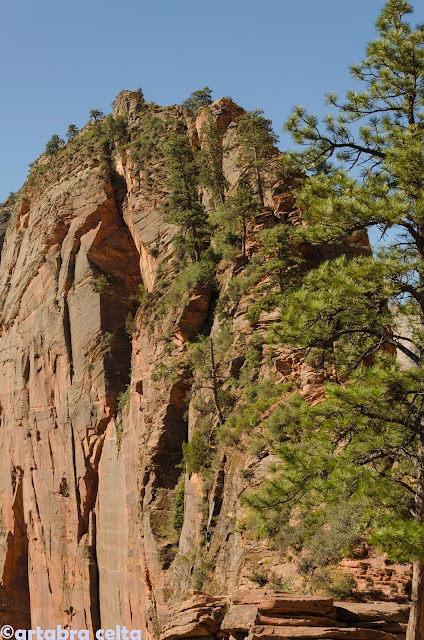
[196,453]
[96,114]
[130,326]
[198,99]
[209,160]
[185,209]
[111,129]
[198,578]
[146,149]
[258,398]
[71,132]
[101,283]
[238,211]
[123,400]
[284,265]
[178,512]
[365,443]
[334,583]
[257,141]
[54,144]
[260,577]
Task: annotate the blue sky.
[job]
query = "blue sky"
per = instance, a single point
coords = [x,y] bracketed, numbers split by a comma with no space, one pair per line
[58,59]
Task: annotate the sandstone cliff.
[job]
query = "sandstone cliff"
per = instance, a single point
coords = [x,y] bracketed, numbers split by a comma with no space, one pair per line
[100,523]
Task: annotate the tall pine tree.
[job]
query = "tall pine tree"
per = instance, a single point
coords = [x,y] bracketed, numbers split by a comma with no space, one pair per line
[210,158]
[184,206]
[366,169]
[257,141]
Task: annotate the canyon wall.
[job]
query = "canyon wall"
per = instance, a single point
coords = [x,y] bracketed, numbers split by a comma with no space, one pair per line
[97,399]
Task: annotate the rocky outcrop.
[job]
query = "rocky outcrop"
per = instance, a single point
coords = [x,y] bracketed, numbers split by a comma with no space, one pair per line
[257,615]
[99,523]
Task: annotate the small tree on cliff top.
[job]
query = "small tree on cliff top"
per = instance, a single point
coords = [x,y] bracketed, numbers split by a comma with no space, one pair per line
[71,132]
[96,114]
[54,144]
[366,441]
[198,99]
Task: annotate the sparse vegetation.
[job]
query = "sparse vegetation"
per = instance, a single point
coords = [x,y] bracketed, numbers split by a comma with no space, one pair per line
[101,283]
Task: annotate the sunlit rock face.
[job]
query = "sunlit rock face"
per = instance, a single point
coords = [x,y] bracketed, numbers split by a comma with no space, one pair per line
[92,437]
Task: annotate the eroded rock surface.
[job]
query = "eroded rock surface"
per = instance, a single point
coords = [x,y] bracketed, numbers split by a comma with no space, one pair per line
[97,399]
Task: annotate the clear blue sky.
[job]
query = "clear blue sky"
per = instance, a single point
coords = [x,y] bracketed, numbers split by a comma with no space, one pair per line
[60,59]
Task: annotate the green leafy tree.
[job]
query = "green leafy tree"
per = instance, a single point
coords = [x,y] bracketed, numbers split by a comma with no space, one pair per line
[54,144]
[257,141]
[198,99]
[185,208]
[209,159]
[96,114]
[71,132]
[366,441]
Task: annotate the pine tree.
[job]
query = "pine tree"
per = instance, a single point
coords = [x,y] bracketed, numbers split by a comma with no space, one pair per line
[71,132]
[209,160]
[366,441]
[96,114]
[198,99]
[54,144]
[185,208]
[284,263]
[257,141]
[239,210]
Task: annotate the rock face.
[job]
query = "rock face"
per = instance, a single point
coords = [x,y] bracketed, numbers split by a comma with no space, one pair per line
[275,616]
[94,411]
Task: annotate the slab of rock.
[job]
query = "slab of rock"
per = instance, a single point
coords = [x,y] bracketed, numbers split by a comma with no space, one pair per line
[240,617]
[202,600]
[195,312]
[296,605]
[250,596]
[313,621]
[317,633]
[195,621]
[190,630]
[355,612]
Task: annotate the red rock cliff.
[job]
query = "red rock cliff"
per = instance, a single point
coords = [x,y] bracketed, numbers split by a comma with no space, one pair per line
[91,431]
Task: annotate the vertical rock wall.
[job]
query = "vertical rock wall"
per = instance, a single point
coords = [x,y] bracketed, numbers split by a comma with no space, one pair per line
[87,491]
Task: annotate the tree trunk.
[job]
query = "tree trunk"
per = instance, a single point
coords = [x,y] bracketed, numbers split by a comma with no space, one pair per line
[415,629]
[261,195]
[196,243]
[259,180]
[243,238]
[215,384]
